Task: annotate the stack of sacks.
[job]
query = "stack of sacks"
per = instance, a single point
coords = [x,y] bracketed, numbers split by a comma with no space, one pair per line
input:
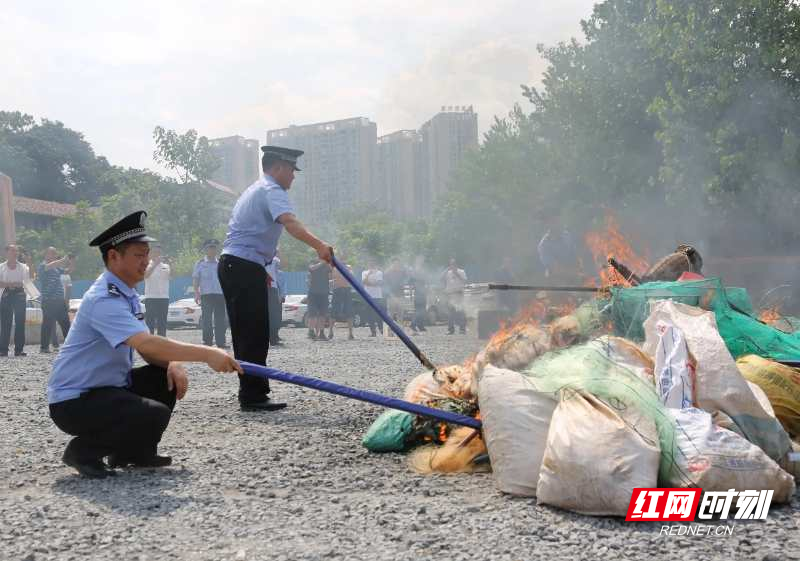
[542,427]
[706,454]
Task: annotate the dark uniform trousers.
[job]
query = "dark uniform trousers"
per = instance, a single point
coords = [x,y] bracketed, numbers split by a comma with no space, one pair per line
[54,310]
[214,321]
[243,284]
[155,315]
[128,422]
[12,310]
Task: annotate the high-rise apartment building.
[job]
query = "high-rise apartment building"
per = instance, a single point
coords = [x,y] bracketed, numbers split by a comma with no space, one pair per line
[239,161]
[338,166]
[400,173]
[446,137]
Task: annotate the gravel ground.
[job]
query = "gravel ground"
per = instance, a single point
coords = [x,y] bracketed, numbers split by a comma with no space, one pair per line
[297,484]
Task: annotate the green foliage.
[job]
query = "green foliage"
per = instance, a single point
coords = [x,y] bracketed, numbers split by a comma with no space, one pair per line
[680,115]
[50,161]
[181,215]
[187,154]
[365,232]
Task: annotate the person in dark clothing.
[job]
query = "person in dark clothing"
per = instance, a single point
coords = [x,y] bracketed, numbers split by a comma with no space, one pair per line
[319,278]
[54,309]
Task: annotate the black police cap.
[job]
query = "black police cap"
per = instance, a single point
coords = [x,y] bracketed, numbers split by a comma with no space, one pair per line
[129,229]
[289,155]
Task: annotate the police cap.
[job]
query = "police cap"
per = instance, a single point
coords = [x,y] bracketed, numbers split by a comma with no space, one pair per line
[210,243]
[129,229]
[289,155]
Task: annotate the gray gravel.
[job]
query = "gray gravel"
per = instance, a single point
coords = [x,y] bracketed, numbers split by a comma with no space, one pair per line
[298,484]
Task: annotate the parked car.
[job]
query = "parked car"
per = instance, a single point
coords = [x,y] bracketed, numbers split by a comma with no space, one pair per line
[295,308]
[184,313]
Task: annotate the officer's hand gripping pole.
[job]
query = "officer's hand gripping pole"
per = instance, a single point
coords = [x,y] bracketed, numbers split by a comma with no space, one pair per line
[384,316]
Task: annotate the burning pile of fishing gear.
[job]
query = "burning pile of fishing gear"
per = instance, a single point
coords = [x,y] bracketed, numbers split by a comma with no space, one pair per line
[654,382]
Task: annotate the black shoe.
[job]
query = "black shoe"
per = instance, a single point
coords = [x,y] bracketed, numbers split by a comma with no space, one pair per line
[21,353]
[450,331]
[372,334]
[266,405]
[154,461]
[222,346]
[3,354]
[93,469]
[350,337]
[44,351]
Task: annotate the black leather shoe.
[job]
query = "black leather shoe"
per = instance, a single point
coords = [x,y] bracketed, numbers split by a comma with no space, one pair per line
[92,469]
[266,405]
[154,461]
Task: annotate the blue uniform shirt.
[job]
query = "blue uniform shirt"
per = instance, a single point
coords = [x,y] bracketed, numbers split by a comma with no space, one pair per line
[95,354]
[206,272]
[253,230]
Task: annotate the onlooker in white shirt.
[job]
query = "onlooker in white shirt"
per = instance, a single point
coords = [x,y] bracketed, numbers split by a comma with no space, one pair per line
[156,292]
[13,275]
[454,280]
[372,279]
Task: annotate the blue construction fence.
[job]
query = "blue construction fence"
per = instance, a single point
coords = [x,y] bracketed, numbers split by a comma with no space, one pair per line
[181,287]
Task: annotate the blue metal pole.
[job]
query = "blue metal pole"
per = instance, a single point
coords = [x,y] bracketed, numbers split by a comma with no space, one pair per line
[361,395]
[384,316]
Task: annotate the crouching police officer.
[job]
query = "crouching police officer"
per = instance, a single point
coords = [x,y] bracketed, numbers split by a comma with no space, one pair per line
[95,394]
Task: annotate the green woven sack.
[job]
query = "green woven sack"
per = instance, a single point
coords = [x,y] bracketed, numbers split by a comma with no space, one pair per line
[389,432]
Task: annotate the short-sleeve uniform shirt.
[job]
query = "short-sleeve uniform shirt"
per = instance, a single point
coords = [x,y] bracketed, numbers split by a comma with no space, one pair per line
[205,272]
[95,354]
[253,230]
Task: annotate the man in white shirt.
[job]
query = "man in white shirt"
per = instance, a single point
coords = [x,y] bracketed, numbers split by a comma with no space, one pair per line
[13,275]
[156,292]
[454,280]
[372,279]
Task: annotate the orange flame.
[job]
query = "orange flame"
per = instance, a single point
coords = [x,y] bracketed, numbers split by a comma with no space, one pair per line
[612,243]
[769,315]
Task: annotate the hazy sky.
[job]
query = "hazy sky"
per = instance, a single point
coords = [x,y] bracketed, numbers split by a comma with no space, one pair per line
[115,70]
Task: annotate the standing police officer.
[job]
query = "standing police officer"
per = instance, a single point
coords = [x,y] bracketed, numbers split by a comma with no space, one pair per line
[258,219]
[208,293]
[95,394]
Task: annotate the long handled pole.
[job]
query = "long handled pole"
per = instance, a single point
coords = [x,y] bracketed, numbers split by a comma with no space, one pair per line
[361,395]
[384,316]
[497,286]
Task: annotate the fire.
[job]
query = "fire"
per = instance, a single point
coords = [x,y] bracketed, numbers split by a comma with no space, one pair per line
[612,243]
[769,315]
